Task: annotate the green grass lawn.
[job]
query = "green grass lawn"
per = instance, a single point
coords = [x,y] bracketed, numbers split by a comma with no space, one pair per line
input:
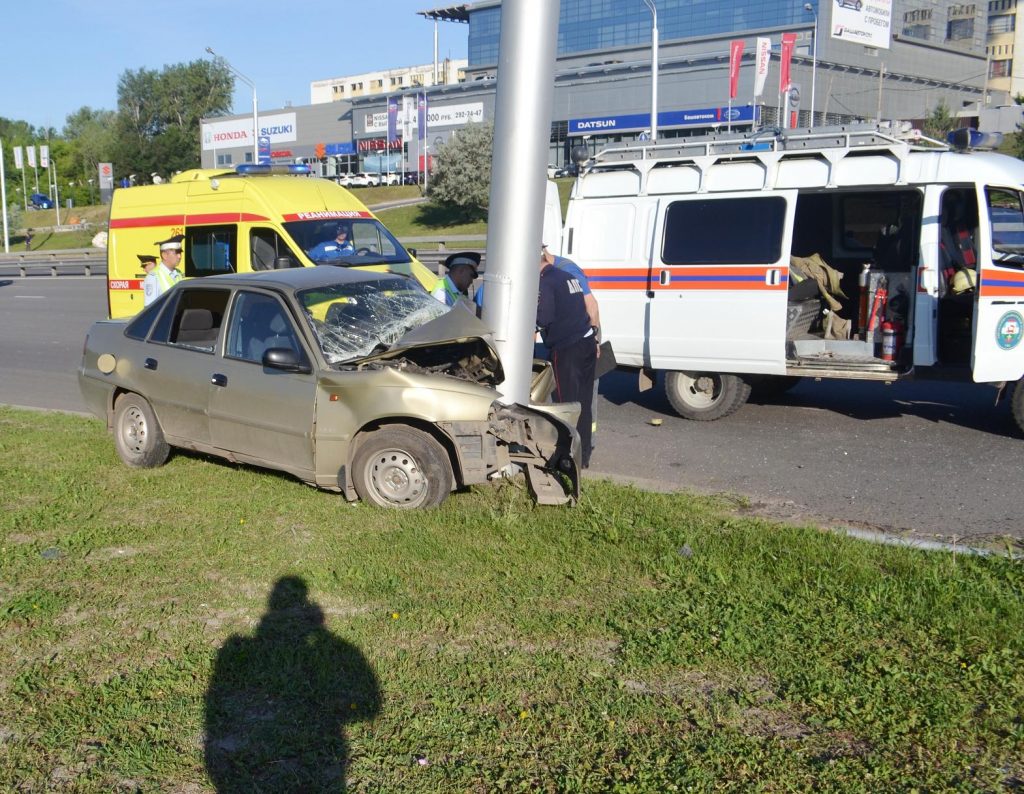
[207,623]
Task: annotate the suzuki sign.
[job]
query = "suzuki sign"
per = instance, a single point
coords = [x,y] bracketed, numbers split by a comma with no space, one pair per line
[237,133]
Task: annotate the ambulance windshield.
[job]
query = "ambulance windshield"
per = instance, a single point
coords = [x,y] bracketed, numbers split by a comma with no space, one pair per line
[346,241]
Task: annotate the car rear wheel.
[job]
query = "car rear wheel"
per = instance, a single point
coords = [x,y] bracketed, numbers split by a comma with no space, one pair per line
[704,396]
[401,467]
[137,434]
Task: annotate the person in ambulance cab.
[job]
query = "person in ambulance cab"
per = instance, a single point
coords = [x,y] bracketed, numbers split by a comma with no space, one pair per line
[334,249]
[166,274]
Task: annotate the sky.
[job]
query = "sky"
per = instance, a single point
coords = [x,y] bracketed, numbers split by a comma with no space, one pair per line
[70,53]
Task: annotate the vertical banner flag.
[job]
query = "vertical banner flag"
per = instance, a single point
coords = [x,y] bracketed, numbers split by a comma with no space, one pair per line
[31,152]
[788,42]
[735,56]
[392,118]
[422,107]
[764,54]
[17,157]
[44,156]
[408,104]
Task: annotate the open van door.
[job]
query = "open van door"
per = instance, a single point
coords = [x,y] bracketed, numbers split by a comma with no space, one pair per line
[998,333]
[552,219]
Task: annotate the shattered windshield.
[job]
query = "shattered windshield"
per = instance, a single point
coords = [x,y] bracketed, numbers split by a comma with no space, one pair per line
[352,321]
[347,241]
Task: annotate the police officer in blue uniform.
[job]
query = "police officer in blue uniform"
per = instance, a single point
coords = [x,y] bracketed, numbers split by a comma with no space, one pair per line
[565,327]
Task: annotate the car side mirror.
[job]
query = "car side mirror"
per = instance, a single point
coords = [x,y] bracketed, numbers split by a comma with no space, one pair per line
[286,360]
[283,263]
[412,251]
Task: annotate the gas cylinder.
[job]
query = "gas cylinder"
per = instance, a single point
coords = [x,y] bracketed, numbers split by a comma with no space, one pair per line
[888,341]
[864,281]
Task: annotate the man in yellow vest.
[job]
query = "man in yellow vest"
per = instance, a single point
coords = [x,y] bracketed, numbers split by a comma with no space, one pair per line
[166,274]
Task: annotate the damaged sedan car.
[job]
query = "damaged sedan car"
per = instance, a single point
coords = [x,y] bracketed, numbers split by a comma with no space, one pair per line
[351,381]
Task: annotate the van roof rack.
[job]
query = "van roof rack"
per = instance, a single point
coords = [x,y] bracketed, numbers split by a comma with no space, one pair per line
[774,139]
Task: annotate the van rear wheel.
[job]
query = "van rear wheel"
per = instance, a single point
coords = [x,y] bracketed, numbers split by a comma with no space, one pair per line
[1017,403]
[705,396]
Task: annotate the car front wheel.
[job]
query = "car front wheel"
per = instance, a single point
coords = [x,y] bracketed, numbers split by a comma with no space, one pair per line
[137,434]
[401,467]
[704,396]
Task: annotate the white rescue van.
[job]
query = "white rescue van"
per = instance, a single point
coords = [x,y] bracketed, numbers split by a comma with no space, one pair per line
[704,253]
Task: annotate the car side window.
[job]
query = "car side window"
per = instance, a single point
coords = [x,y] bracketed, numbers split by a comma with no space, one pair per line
[194,321]
[258,323]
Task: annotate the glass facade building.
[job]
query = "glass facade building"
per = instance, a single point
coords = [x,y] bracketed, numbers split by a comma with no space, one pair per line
[586,25]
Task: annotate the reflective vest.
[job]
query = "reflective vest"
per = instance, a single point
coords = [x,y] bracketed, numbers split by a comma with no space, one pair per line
[166,278]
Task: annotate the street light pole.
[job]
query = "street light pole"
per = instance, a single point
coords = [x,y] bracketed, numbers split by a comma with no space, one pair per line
[814,58]
[255,105]
[654,68]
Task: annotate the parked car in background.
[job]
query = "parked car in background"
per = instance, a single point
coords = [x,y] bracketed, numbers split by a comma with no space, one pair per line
[345,180]
[363,179]
[390,178]
[40,201]
[351,381]
[411,178]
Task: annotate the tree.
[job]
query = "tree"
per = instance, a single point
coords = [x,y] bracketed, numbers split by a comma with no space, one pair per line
[939,121]
[462,181]
[90,137]
[158,115]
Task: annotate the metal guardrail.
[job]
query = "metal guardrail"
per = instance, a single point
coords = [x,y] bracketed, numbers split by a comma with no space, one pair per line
[95,259]
[76,258]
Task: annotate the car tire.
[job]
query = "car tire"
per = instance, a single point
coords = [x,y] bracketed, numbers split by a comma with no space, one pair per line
[401,467]
[705,396]
[137,434]
[1017,403]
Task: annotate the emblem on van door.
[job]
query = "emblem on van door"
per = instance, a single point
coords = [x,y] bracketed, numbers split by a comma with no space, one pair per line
[1009,330]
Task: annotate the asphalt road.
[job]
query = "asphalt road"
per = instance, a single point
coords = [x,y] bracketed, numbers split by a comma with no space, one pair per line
[929,459]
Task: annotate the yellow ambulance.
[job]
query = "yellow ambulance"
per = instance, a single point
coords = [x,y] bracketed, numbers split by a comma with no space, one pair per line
[255,217]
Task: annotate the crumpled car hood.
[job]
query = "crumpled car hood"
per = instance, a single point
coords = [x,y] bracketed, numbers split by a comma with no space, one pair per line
[458,332]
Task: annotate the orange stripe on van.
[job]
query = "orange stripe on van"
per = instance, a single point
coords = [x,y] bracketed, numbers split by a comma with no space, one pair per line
[1001,284]
[185,220]
[154,220]
[687,278]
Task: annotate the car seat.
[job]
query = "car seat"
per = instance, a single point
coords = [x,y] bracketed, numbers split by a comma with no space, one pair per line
[196,327]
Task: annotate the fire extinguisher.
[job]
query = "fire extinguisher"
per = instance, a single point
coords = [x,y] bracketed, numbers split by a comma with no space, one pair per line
[888,341]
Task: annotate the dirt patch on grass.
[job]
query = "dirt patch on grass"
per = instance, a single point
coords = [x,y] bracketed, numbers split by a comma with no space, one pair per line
[113,553]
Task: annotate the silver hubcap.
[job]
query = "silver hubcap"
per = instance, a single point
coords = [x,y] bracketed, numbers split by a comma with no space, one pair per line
[396,477]
[698,391]
[134,430]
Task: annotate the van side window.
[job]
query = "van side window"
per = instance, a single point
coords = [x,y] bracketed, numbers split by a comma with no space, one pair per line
[724,231]
[210,250]
[266,247]
[1006,214]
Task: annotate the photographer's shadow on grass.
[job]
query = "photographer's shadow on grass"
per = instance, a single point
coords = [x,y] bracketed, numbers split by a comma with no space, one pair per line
[279,700]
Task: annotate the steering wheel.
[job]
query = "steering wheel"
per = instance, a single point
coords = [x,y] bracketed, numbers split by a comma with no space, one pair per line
[363,251]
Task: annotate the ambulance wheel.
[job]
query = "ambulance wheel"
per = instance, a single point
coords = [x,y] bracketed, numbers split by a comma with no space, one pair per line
[1017,403]
[704,396]
[137,434]
[401,467]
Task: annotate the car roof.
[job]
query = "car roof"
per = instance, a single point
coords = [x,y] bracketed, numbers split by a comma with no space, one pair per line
[297,277]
